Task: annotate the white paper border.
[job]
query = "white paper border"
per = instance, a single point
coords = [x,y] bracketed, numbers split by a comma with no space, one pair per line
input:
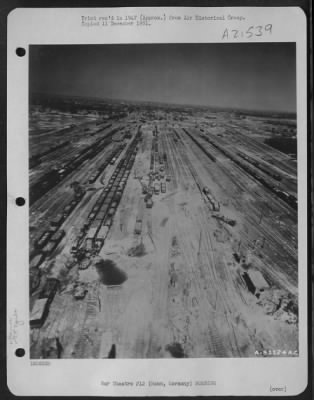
[250,376]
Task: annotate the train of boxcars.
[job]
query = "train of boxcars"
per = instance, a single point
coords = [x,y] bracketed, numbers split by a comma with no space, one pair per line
[36,159]
[95,230]
[91,237]
[53,177]
[49,239]
[107,201]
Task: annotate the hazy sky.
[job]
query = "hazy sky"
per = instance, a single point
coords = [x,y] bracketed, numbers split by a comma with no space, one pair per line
[259,76]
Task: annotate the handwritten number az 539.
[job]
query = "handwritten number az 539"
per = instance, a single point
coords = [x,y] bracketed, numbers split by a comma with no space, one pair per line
[257,30]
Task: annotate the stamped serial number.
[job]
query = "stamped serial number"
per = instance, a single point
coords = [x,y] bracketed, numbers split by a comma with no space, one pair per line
[250,32]
[277,352]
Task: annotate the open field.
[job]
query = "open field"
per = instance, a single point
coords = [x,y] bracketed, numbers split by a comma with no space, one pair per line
[162,232]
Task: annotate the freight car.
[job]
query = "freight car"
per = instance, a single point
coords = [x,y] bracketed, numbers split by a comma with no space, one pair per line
[58,236]
[264,168]
[53,242]
[57,221]
[43,240]
[52,178]
[41,306]
[49,290]
[37,260]
[34,279]
[156,188]
[39,313]
[50,247]
[138,227]
[149,203]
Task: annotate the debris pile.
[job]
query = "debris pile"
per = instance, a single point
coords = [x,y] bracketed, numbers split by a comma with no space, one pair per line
[137,251]
[280,304]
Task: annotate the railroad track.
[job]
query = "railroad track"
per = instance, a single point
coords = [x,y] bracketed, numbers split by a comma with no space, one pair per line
[277,156]
[202,297]
[52,179]
[170,169]
[250,209]
[215,339]
[92,310]
[273,241]
[172,158]
[215,342]
[209,253]
[200,146]
[178,163]
[119,172]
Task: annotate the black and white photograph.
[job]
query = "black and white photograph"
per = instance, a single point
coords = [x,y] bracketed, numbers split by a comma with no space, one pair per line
[163,205]
[157,166]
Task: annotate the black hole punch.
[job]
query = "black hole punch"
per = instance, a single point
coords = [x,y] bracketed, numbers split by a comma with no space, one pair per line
[20,201]
[20,51]
[20,352]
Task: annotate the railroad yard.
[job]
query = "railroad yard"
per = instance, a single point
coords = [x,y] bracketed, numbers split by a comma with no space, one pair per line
[159,232]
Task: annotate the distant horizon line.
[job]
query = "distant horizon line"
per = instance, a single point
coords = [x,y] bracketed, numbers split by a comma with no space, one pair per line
[165,103]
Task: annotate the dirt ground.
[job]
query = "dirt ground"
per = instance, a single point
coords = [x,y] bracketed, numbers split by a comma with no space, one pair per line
[177,287]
